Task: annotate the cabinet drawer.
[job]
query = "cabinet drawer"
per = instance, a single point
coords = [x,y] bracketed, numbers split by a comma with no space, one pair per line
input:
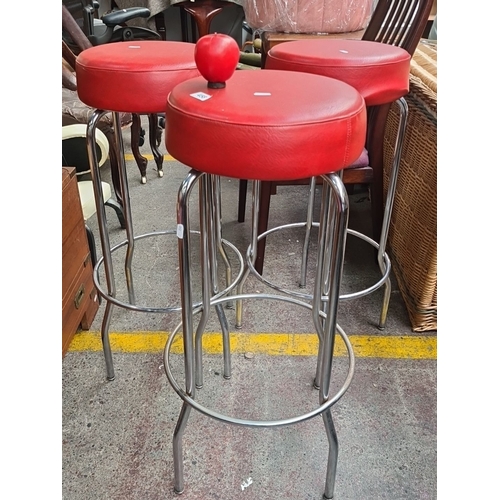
[75,257]
[80,307]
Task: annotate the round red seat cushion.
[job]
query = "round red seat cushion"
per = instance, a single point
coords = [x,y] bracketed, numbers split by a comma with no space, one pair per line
[379,71]
[133,76]
[266,125]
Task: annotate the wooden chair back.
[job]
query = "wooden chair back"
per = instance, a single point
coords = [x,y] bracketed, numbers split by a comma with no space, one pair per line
[399,22]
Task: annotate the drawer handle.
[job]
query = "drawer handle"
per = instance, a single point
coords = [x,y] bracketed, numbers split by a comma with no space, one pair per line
[79,296]
[86,262]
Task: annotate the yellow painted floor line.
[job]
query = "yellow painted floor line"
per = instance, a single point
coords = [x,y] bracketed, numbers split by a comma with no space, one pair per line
[130,157]
[276,344]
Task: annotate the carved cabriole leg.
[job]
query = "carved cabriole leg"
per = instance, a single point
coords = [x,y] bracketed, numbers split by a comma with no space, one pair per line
[135,133]
[154,129]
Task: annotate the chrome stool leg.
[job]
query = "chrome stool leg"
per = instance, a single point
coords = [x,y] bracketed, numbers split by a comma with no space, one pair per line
[104,237]
[333,454]
[321,281]
[336,215]
[209,277]
[177,446]
[213,206]
[391,191]
[193,359]
[127,211]
[217,228]
[106,346]
[207,264]
[184,244]
[251,252]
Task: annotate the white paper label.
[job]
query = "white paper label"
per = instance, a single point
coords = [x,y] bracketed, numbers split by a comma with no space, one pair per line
[180,231]
[201,96]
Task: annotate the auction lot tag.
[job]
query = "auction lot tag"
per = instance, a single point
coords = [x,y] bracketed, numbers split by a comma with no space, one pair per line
[201,96]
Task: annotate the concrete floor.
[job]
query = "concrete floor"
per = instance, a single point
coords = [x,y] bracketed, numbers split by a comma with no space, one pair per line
[117,436]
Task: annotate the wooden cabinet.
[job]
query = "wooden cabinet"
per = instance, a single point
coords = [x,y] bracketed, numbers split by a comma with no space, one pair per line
[79,297]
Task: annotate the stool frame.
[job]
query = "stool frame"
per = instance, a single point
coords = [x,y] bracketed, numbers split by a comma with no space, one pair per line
[332,235]
[109,291]
[382,257]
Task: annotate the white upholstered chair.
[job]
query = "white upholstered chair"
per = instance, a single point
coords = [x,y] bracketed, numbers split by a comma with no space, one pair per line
[74,154]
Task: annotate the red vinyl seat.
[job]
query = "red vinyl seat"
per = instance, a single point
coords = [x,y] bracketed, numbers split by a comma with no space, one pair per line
[257,134]
[380,72]
[135,76]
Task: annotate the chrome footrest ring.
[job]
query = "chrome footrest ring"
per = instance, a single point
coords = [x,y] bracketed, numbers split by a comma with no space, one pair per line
[258,423]
[131,307]
[309,297]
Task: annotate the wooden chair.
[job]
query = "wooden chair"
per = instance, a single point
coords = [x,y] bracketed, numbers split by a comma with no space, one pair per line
[74,111]
[386,26]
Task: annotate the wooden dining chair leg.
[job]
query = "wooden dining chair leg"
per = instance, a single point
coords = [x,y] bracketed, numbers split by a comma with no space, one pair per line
[242,199]
[264,203]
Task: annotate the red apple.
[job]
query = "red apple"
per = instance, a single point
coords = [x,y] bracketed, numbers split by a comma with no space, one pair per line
[216,56]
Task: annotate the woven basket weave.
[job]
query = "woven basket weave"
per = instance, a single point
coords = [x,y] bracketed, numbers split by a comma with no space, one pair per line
[413,233]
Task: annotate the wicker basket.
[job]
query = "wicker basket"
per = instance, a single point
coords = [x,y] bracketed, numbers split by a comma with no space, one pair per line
[413,233]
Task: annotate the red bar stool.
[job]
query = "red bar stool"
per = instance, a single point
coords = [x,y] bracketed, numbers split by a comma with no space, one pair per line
[381,74]
[133,77]
[320,134]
